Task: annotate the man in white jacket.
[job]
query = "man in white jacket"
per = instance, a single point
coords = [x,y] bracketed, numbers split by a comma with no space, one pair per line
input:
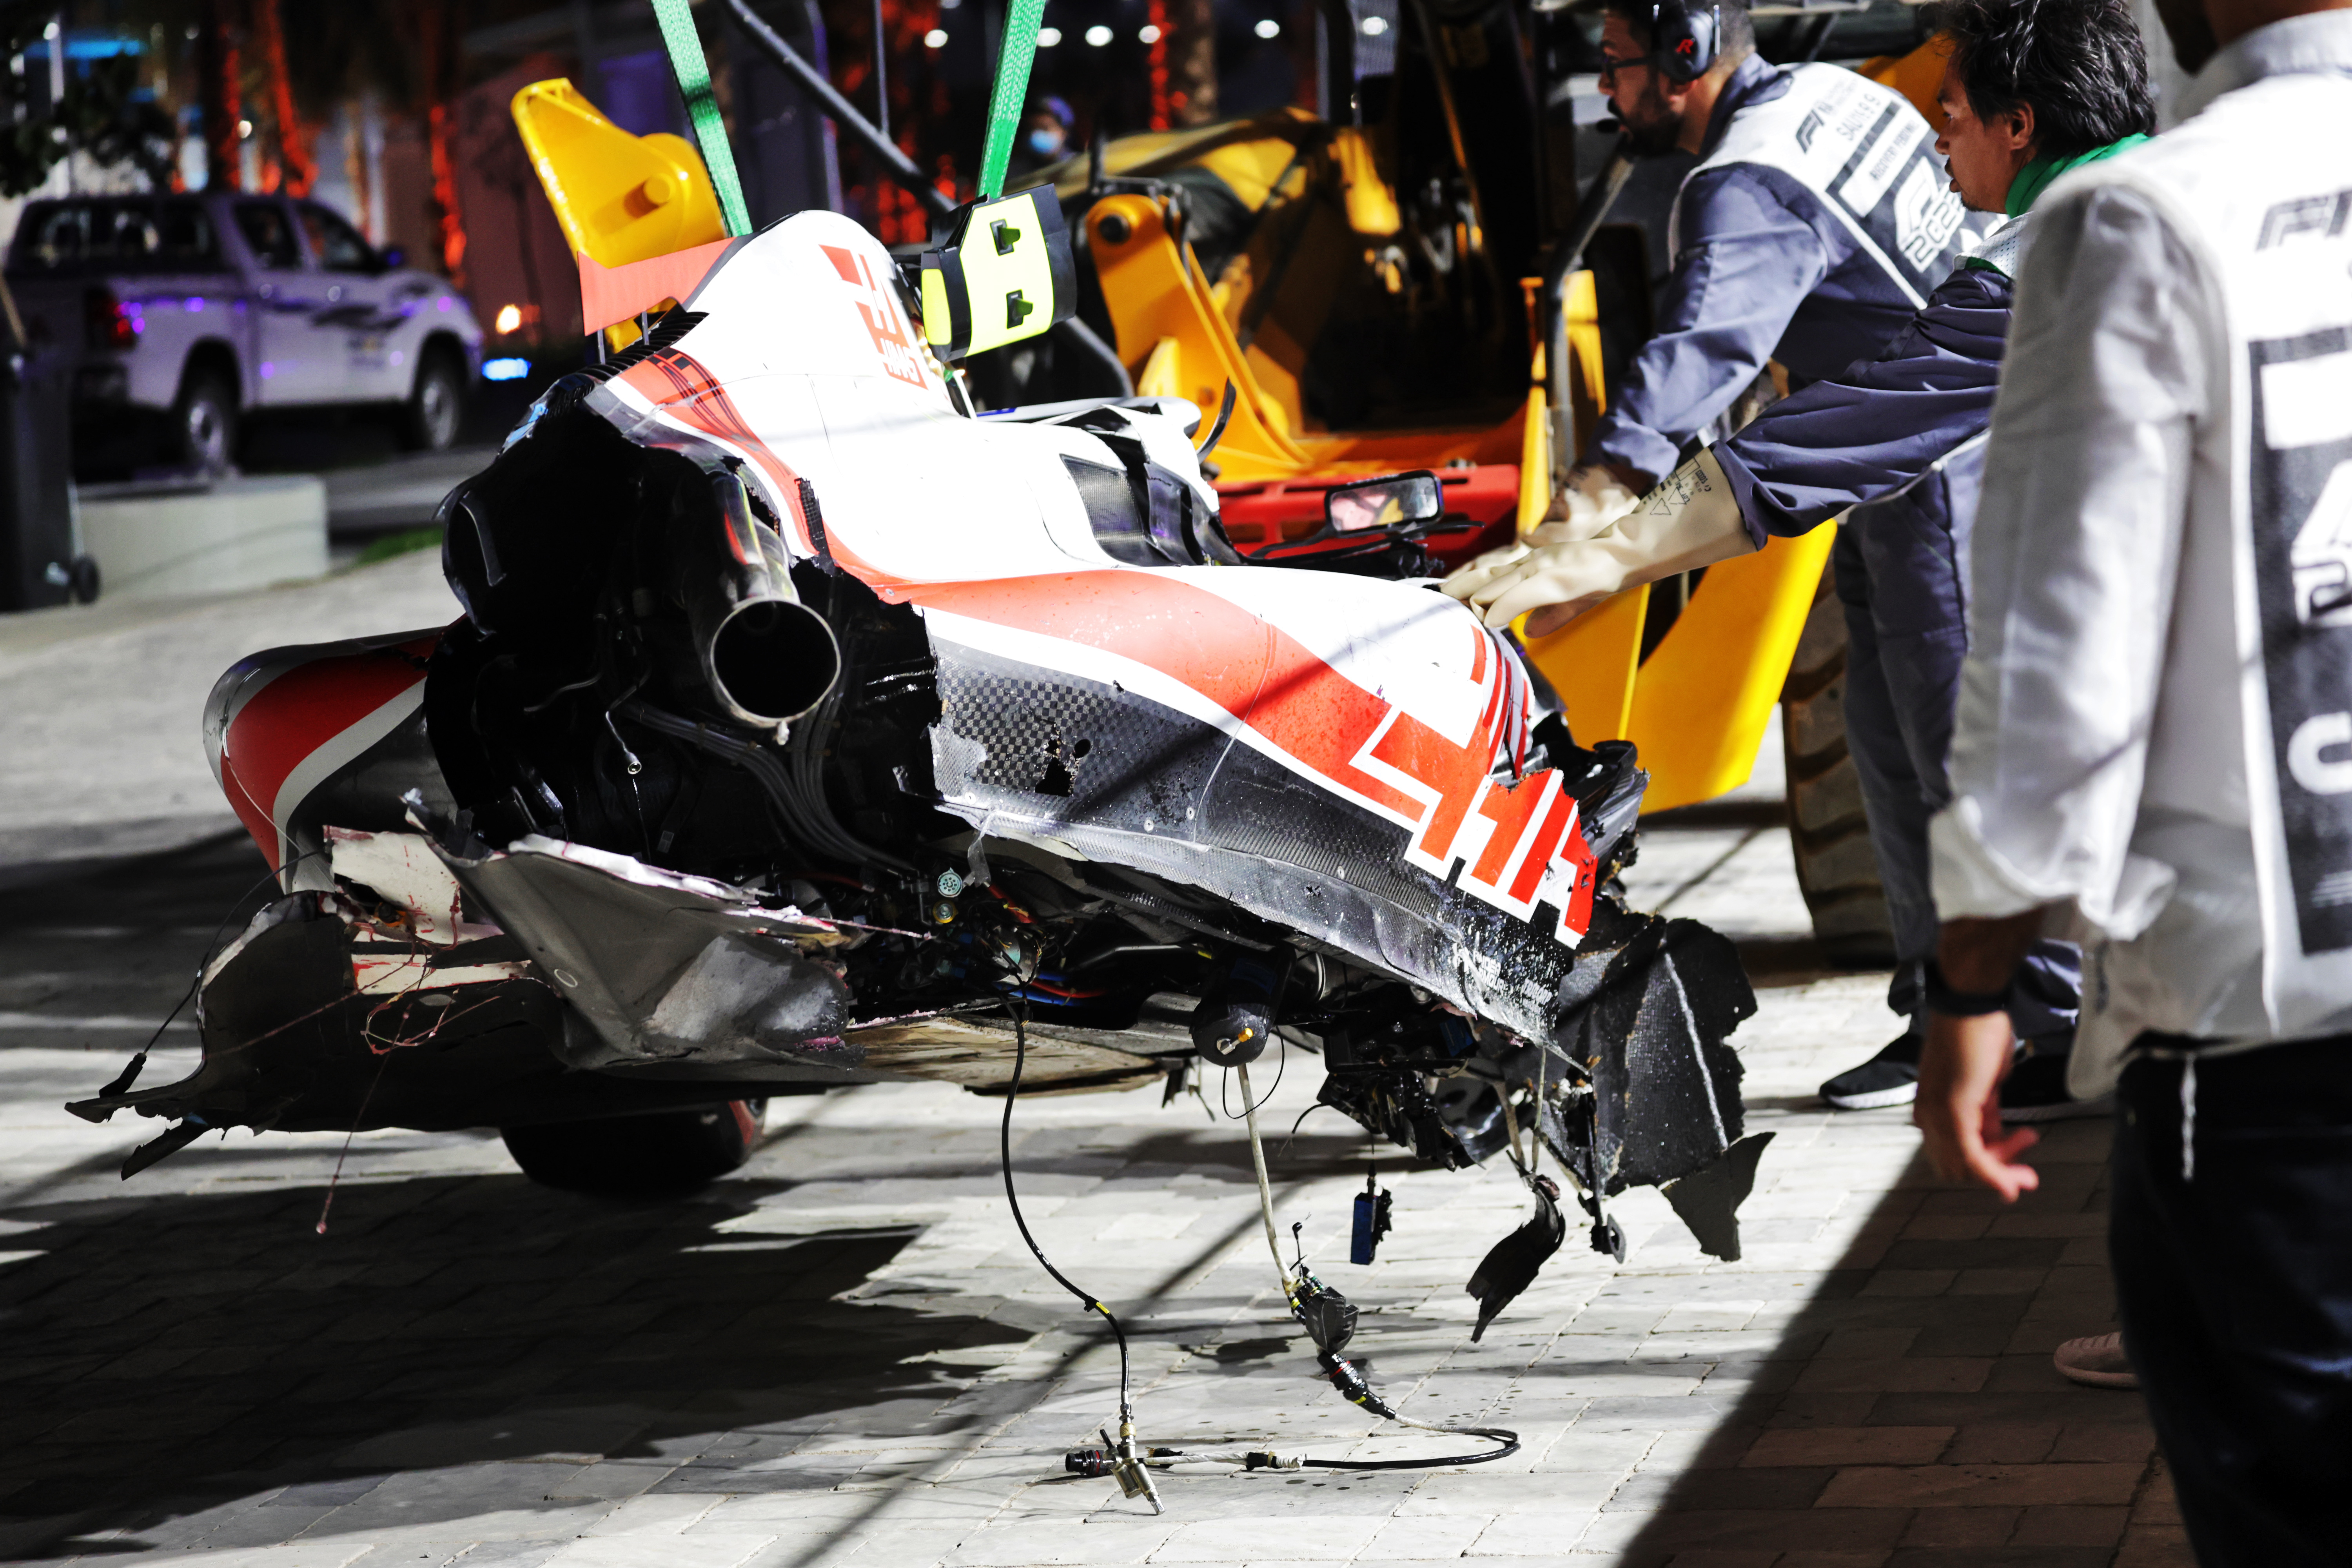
[2153,752]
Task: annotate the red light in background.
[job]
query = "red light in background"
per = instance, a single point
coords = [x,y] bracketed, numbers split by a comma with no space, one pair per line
[111,323]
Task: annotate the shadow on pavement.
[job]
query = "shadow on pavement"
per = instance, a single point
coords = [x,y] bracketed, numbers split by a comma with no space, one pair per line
[106,947]
[1909,1413]
[175,1354]
[195,884]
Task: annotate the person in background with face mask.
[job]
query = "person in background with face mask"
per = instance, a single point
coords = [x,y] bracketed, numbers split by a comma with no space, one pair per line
[1814,225]
[2032,89]
[1044,136]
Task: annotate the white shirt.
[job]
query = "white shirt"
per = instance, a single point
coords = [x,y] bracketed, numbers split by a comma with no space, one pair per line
[2097,759]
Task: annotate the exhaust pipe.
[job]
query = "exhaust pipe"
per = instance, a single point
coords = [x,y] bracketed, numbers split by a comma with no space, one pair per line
[766,657]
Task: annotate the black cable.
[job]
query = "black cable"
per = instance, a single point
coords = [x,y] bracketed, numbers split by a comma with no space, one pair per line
[1224,1084]
[1510,1441]
[1350,1382]
[1310,1302]
[1018,1006]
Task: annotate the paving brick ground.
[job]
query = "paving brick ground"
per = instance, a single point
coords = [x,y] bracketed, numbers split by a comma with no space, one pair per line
[101,705]
[844,1352]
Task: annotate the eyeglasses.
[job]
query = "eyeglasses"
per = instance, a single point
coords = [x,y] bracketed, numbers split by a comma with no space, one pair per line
[1611,64]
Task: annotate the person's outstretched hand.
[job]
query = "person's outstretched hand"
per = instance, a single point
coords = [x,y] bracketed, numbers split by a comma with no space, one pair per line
[1591,501]
[1689,519]
[1958,1112]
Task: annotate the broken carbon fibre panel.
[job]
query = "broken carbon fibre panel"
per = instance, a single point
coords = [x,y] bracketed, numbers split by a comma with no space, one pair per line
[291,1042]
[676,977]
[1660,1104]
[661,967]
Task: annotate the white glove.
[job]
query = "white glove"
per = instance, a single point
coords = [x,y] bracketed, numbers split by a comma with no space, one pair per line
[1689,520]
[1591,501]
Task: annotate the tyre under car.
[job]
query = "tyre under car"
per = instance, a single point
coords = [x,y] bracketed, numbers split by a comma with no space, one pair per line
[664,1154]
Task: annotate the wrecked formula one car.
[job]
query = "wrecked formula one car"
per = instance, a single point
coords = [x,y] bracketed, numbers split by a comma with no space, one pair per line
[805,730]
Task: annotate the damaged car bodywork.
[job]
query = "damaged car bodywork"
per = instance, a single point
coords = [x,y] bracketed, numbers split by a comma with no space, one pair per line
[805,730]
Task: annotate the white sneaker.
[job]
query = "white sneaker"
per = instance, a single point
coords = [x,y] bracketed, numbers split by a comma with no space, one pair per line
[2098,1361]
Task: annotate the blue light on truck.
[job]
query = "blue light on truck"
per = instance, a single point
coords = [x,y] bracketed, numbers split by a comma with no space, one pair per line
[505,369]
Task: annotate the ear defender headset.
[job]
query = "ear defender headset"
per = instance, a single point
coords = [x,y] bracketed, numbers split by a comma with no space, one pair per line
[1685,39]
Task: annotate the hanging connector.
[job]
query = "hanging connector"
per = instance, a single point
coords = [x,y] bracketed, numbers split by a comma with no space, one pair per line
[1097,1464]
[1134,1480]
[629,758]
[1352,1386]
[1330,1320]
[1328,1317]
[1373,1222]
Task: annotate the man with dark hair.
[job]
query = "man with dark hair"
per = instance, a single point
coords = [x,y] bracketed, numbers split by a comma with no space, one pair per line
[2151,747]
[2032,89]
[1814,225]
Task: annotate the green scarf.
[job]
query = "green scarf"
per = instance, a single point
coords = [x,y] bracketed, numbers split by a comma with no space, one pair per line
[2039,172]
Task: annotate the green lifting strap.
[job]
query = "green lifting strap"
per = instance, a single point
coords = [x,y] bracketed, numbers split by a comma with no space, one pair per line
[1011,93]
[686,58]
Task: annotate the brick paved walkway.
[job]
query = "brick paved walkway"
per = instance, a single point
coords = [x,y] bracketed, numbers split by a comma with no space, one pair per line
[844,1353]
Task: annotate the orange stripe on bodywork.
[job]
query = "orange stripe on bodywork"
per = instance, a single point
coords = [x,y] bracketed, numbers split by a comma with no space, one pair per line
[612,294]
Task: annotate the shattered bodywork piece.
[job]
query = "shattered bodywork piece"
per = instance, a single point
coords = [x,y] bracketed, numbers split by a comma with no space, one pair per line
[803,729]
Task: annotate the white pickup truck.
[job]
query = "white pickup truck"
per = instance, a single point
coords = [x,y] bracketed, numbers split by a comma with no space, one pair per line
[187,312]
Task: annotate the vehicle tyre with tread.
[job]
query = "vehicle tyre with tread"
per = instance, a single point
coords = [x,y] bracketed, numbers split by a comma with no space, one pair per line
[205,422]
[1836,867]
[436,404]
[663,1154]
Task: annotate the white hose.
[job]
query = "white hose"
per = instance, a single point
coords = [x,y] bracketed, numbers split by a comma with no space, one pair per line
[1264,1187]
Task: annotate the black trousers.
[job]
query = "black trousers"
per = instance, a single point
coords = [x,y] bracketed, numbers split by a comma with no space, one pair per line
[1898,567]
[2235,1288]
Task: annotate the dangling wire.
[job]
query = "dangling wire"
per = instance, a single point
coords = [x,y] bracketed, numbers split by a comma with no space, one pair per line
[1310,1301]
[130,1074]
[1264,1187]
[1281,1063]
[1133,1478]
[1296,1289]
